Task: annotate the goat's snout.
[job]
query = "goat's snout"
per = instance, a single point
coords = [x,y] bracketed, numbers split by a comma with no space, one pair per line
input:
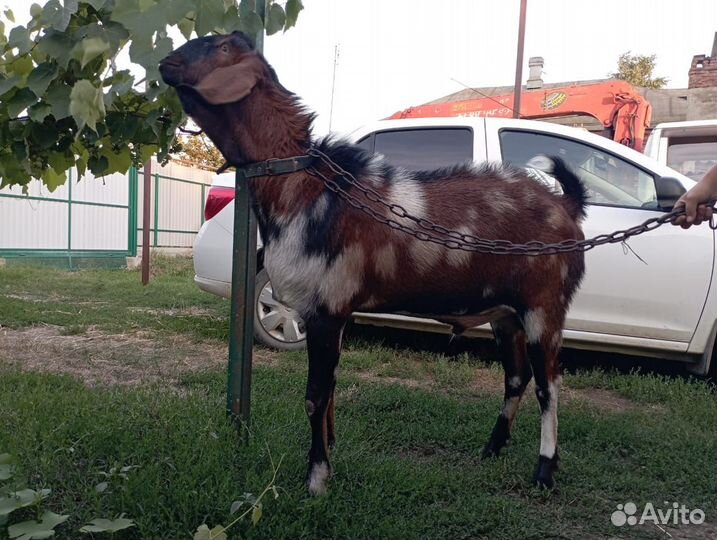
[171,69]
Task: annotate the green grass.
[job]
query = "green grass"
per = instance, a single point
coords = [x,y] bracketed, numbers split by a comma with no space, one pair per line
[406,464]
[112,300]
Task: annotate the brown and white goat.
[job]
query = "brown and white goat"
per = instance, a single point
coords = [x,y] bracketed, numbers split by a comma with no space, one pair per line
[327,259]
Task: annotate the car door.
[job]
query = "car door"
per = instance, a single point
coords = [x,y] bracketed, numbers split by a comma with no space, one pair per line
[655,286]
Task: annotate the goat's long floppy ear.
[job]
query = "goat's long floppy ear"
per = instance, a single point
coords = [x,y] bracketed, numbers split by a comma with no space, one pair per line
[230,84]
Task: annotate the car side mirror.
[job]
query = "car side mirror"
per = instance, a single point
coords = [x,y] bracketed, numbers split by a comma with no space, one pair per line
[669,190]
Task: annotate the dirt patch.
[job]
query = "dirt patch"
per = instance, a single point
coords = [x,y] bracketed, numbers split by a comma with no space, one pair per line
[490,381]
[100,359]
[190,311]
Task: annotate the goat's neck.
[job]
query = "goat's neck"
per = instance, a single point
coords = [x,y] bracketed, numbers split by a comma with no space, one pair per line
[273,125]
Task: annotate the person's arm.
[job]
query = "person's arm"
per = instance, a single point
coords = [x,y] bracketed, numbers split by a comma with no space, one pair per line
[695,201]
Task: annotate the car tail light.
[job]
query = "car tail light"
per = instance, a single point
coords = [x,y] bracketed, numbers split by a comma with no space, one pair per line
[217,199]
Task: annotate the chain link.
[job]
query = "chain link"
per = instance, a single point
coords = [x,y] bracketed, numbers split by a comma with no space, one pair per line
[434,233]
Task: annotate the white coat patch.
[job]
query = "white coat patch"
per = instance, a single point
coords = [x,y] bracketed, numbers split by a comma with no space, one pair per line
[534,323]
[549,423]
[386,261]
[458,257]
[317,479]
[302,281]
[408,193]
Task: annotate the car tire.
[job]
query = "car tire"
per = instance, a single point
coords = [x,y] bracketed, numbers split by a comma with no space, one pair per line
[275,325]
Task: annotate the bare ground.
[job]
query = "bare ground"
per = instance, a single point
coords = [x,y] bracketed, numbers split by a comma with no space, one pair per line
[98,359]
[101,359]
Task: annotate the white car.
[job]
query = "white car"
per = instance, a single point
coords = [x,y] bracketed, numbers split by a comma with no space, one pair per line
[655,296]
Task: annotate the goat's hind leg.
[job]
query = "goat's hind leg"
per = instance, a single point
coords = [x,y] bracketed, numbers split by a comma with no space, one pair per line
[323,338]
[543,355]
[510,338]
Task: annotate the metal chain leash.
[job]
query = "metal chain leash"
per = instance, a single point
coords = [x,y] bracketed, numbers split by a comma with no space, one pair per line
[435,233]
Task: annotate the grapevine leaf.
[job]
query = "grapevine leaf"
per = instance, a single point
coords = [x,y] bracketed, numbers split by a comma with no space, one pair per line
[86,104]
[9,15]
[88,49]
[57,45]
[97,4]
[186,27]
[107,525]
[117,162]
[22,65]
[57,16]
[41,77]
[250,23]
[9,83]
[236,505]
[36,530]
[22,99]
[275,19]
[98,165]
[59,99]
[39,112]
[293,7]
[19,38]
[209,15]
[52,180]
[42,137]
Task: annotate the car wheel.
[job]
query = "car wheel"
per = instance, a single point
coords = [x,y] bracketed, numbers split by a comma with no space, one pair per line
[276,325]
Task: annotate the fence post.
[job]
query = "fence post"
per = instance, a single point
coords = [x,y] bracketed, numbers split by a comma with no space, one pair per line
[201,206]
[156,209]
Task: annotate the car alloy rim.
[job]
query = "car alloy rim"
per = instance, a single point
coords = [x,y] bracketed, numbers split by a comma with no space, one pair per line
[280,322]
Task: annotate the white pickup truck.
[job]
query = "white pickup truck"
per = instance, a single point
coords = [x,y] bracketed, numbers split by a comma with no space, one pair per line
[689,147]
[657,298]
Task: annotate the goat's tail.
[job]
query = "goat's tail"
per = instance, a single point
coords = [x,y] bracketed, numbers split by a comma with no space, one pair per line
[574,192]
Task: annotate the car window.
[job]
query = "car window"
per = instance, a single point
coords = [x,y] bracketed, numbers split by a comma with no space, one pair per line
[426,148]
[692,156]
[609,179]
[366,143]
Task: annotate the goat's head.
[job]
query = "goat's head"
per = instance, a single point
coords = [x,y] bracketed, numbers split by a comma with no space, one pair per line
[234,95]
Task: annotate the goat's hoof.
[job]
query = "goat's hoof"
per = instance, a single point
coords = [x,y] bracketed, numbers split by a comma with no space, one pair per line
[318,476]
[544,472]
[332,444]
[489,452]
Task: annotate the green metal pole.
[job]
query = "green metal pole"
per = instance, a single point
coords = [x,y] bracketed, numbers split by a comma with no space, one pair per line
[132,213]
[156,209]
[69,218]
[241,331]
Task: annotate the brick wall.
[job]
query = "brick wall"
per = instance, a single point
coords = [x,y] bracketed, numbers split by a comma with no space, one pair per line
[703,72]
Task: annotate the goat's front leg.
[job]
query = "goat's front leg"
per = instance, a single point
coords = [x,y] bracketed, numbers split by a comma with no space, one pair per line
[323,339]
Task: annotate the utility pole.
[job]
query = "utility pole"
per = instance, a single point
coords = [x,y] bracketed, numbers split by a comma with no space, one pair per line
[517,89]
[241,330]
[333,84]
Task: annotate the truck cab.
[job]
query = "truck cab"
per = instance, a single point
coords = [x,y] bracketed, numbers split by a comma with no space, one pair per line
[689,147]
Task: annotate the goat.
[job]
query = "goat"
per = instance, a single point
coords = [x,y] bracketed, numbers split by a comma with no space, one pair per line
[327,259]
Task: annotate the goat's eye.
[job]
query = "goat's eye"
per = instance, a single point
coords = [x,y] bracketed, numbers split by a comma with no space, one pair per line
[225,48]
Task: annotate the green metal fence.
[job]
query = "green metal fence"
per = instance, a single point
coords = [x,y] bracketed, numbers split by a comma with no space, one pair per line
[159,180]
[70,255]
